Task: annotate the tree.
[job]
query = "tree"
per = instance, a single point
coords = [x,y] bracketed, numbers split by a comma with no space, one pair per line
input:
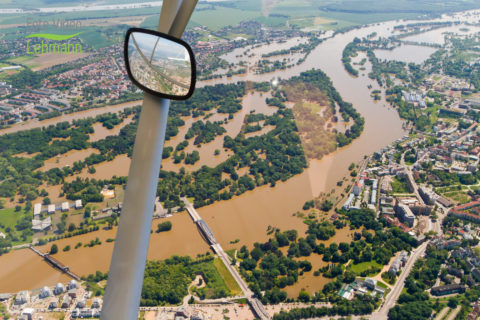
[257,253]
[453,302]
[71,227]
[165,226]
[303,296]
[326,205]
[61,226]
[46,201]
[54,249]
[87,212]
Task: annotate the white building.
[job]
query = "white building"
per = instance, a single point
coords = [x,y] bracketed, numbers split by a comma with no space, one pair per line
[357,188]
[27,313]
[349,201]
[37,209]
[78,204]
[22,298]
[67,301]
[51,209]
[45,293]
[59,289]
[40,225]
[72,284]
[96,303]
[65,206]
[81,304]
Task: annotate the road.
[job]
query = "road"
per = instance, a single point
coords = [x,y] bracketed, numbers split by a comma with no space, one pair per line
[392,297]
[453,314]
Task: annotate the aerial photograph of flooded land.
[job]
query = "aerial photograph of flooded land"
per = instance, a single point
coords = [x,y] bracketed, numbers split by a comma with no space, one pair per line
[326,165]
[159,64]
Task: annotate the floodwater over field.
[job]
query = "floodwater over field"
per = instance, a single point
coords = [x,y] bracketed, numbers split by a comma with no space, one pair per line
[246,217]
[100,132]
[254,101]
[406,53]
[308,281]
[437,36]
[67,159]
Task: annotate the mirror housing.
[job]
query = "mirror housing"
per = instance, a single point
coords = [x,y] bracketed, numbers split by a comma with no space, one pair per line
[160,64]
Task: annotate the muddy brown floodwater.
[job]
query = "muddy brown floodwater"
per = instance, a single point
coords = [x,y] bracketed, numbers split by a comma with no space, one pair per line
[23,269]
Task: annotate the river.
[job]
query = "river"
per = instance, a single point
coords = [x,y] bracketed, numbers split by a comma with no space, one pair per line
[247,217]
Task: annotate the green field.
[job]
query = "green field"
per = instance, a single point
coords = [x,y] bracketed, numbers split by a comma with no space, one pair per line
[227,277]
[458,196]
[8,218]
[221,17]
[358,268]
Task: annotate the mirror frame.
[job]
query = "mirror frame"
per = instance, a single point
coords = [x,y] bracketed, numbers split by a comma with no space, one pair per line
[168,37]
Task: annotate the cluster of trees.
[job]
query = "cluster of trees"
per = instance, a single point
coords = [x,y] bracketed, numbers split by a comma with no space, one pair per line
[348,52]
[283,158]
[20,175]
[204,132]
[318,139]
[442,178]
[267,66]
[69,234]
[223,97]
[266,269]
[360,305]
[164,226]
[193,157]
[166,282]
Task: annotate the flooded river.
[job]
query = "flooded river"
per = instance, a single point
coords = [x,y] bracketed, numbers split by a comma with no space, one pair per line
[246,217]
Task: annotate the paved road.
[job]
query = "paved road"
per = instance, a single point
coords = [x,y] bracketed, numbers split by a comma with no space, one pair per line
[392,297]
[453,314]
[442,313]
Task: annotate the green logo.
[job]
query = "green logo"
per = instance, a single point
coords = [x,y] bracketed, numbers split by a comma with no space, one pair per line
[54,47]
[49,36]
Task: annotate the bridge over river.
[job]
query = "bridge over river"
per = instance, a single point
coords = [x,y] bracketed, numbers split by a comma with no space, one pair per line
[255,304]
[55,263]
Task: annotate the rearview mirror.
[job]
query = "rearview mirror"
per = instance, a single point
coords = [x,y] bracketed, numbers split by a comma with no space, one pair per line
[160,64]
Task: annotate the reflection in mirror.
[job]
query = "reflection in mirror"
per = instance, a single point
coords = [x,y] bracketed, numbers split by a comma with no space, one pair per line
[159,64]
